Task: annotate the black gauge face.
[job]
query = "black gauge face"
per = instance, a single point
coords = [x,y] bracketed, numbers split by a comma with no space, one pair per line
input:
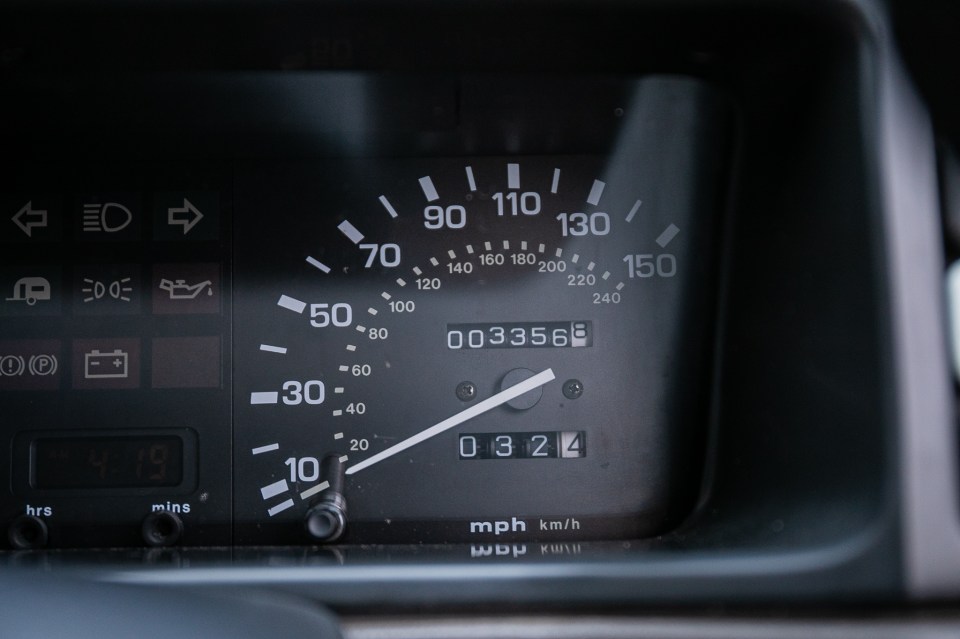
[491,348]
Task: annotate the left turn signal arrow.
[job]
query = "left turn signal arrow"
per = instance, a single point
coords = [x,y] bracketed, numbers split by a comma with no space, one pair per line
[28,219]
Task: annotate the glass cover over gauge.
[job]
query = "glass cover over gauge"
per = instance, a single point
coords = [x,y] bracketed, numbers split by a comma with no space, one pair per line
[461,348]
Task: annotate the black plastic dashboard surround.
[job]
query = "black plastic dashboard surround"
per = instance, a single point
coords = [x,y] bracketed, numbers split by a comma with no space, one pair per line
[826,462]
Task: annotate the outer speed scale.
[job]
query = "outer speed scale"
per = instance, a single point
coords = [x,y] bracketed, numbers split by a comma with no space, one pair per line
[467,349]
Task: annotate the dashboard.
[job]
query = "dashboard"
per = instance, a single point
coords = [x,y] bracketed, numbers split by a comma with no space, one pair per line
[521,312]
[543,308]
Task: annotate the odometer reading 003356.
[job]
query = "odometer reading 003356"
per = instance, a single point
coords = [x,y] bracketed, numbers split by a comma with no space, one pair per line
[470,349]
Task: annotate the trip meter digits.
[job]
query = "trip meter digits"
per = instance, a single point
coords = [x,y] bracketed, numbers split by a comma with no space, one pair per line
[427,347]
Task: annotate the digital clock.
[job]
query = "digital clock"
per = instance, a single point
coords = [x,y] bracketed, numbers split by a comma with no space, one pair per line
[107,462]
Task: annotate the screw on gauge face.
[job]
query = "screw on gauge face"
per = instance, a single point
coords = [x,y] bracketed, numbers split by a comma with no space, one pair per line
[572,388]
[466,391]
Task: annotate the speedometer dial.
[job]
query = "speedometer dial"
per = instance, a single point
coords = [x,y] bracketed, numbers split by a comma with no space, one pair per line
[452,349]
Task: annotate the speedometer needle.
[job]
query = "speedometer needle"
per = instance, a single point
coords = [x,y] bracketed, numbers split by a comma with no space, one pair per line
[490,403]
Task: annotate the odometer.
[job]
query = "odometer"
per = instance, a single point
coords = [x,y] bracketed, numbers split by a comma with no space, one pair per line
[519,335]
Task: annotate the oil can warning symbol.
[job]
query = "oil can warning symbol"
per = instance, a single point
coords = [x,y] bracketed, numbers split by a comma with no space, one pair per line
[186,289]
[182,290]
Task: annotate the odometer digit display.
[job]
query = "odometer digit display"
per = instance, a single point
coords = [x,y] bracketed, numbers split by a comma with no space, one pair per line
[519,335]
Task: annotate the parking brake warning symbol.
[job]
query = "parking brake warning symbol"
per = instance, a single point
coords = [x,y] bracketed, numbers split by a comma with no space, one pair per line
[29,365]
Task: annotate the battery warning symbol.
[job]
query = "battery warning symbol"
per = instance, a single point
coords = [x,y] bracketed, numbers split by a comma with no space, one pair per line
[112,365]
[109,363]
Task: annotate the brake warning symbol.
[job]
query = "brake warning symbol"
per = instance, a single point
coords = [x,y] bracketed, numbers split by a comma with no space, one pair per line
[30,365]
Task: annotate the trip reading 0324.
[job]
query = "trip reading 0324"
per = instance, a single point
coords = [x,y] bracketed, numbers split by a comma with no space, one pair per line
[540,445]
[520,335]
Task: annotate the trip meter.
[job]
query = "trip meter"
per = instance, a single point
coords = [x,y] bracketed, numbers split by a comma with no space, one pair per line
[466,348]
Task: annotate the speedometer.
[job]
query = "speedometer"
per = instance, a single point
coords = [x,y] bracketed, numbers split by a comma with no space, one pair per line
[454,349]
